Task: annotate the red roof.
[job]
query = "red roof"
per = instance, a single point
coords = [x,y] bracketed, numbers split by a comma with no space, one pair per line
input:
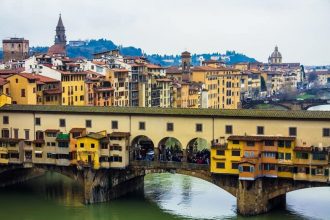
[41,79]
[56,49]
[11,71]
[3,81]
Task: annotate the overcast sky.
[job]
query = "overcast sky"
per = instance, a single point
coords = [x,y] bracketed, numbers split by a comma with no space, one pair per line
[300,28]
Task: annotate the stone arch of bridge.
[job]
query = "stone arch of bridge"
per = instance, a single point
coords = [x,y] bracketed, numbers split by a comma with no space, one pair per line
[227,183]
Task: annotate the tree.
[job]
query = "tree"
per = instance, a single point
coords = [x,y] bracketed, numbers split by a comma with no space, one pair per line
[312,77]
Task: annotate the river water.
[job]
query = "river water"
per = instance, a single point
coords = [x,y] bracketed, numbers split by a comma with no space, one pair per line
[165,197]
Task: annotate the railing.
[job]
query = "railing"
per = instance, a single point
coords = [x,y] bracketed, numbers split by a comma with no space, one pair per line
[169,165]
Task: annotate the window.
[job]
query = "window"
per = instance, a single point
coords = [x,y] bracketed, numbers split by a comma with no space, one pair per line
[62,144]
[220,165]
[5,120]
[116,159]
[82,145]
[319,156]
[288,156]
[92,145]
[170,127]
[114,124]
[142,125]
[281,156]
[5,133]
[250,143]
[269,143]
[235,142]
[220,152]
[22,92]
[199,127]
[38,155]
[62,122]
[247,169]
[16,133]
[302,155]
[236,153]
[229,129]
[326,132]
[88,123]
[104,146]
[292,131]
[287,144]
[37,121]
[260,130]
[27,134]
[234,166]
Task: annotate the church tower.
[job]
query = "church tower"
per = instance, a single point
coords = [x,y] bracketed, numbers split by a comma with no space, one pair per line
[186,64]
[60,37]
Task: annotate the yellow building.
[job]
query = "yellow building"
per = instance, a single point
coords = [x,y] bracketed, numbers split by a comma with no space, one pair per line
[222,84]
[119,79]
[89,149]
[74,87]
[225,157]
[5,100]
[3,153]
[23,88]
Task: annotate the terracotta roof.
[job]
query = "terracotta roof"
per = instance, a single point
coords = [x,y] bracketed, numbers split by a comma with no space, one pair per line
[173,70]
[104,89]
[305,149]
[3,81]
[56,49]
[259,138]
[120,134]
[153,66]
[11,140]
[96,136]
[119,70]
[209,68]
[52,91]
[11,71]
[74,130]
[37,77]
[100,63]
[164,80]
[52,131]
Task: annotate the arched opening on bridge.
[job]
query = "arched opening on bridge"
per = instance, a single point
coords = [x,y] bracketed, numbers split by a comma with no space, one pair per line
[180,193]
[310,202]
[143,148]
[170,149]
[198,151]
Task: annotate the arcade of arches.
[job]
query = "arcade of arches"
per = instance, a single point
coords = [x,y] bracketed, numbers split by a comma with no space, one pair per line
[170,149]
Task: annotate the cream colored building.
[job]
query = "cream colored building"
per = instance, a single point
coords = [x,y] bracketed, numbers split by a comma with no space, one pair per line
[309,128]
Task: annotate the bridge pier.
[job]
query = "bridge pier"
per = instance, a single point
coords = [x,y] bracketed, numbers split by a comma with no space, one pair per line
[105,185]
[253,198]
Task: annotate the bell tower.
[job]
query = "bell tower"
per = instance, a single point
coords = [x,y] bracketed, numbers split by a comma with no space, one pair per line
[60,37]
[185,65]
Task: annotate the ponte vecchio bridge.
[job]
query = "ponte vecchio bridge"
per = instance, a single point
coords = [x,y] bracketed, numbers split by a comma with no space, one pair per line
[255,155]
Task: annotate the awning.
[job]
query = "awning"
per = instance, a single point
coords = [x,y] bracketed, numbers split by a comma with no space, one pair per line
[38,152]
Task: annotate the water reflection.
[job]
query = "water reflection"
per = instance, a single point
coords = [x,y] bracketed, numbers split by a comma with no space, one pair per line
[166,197]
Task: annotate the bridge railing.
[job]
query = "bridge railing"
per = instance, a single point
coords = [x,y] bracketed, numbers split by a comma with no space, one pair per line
[169,165]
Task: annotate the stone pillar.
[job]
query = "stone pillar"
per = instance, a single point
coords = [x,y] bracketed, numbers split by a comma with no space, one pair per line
[252,198]
[185,155]
[156,151]
[104,185]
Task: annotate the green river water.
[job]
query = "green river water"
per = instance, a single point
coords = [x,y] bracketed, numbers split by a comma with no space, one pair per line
[165,197]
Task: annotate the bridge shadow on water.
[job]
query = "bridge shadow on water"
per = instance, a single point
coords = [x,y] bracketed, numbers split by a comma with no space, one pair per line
[166,196]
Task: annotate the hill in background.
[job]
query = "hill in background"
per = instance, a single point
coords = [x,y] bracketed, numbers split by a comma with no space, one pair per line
[94,46]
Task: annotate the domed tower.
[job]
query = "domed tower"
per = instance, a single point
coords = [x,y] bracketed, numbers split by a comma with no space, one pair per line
[275,57]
